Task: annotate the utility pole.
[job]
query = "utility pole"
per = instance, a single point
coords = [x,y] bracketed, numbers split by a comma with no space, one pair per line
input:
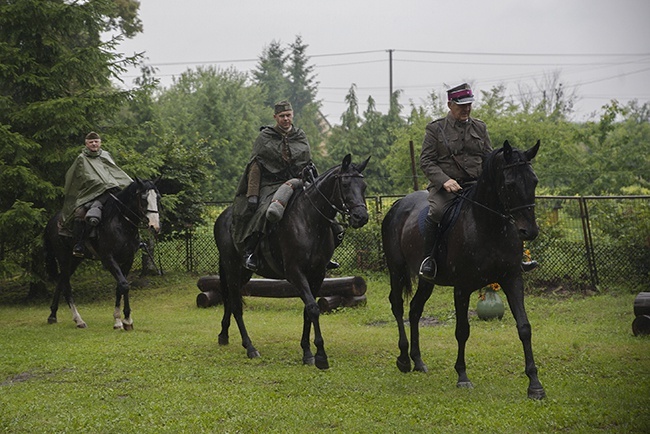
[390,78]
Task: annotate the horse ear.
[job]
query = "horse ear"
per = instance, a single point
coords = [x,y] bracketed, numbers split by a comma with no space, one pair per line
[530,154]
[346,162]
[360,168]
[507,150]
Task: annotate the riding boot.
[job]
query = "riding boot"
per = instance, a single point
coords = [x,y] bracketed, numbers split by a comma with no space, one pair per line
[78,233]
[429,268]
[250,261]
[529,265]
[338,231]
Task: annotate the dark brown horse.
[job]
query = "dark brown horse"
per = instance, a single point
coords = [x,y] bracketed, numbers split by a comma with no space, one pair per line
[298,249]
[483,245]
[116,241]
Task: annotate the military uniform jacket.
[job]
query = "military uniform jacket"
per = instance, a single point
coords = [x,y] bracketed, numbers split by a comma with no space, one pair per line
[454,150]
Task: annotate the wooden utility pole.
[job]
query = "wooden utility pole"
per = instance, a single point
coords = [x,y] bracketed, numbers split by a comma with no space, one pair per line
[390,78]
[413,171]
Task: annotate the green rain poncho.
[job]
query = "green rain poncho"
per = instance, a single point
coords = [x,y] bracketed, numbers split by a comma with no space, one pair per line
[275,170]
[91,174]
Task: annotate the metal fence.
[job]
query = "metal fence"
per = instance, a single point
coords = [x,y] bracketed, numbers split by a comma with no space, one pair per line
[584,243]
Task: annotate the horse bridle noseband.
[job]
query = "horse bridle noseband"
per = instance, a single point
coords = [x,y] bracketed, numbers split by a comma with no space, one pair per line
[508,209]
[346,212]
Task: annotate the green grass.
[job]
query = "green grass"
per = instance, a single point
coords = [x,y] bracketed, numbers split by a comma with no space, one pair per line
[169,375]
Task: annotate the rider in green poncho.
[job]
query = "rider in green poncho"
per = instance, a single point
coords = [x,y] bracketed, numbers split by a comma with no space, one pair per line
[280,153]
[88,183]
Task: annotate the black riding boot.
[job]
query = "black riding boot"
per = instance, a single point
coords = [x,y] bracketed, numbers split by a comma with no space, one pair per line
[78,233]
[529,265]
[250,261]
[338,231]
[429,268]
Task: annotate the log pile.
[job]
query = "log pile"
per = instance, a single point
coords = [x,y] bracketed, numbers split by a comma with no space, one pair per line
[641,324]
[335,292]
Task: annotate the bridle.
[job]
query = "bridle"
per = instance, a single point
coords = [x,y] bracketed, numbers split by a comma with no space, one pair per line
[346,212]
[141,218]
[509,210]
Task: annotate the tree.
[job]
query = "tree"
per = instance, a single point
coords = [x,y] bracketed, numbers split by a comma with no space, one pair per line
[221,112]
[270,74]
[55,86]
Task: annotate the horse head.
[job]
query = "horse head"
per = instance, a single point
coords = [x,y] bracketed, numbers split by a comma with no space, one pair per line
[517,189]
[148,203]
[351,187]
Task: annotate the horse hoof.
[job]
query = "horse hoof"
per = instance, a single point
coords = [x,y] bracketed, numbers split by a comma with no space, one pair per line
[403,366]
[223,340]
[536,393]
[117,327]
[420,367]
[51,320]
[322,363]
[465,385]
[253,354]
[82,325]
[128,327]
[309,361]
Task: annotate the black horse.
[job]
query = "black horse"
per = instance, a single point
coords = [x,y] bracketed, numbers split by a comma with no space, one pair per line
[483,244]
[297,248]
[114,244]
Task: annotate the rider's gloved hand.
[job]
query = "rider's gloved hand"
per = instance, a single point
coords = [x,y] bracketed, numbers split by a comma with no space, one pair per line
[252,203]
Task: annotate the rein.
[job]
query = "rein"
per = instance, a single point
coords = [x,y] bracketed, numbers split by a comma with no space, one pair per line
[344,212]
[508,209]
[141,219]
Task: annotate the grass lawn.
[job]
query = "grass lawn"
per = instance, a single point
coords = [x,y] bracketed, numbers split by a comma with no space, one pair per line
[169,374]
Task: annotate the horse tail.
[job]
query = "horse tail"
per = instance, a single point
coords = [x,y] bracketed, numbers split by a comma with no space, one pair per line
[51,264]
[398,267]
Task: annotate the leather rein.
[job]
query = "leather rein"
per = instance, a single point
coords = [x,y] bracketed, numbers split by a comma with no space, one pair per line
[509,210]
[141,219]
[345,212]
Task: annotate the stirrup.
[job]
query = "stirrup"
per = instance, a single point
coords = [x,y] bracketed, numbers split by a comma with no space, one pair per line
[78,251]
[250,263]
[332,265]
[529,265]
[428,269]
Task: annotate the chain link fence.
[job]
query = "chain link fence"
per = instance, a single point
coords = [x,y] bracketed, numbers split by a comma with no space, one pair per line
[585,243]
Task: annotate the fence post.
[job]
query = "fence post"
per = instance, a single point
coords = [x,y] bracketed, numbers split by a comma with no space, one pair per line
[189,250]
[589,244]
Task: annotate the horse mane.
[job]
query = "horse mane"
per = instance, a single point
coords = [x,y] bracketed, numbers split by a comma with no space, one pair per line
[112,207]
[488,165]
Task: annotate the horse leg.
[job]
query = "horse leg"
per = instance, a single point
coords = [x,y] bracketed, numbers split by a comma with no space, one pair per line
[225,323]
[313,313]
[307,355]
[516,302]
[236,307]
[54,307]
[424,291]
[461,303]
[67,294]
[397,307]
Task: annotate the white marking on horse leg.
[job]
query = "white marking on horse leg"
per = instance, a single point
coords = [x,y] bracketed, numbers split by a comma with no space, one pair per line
[77,318]
[118,319]
[152,211]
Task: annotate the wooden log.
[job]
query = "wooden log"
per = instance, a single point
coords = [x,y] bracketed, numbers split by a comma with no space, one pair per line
[208,298]
[641,325]
[642,304]
[344,286]
[329,303]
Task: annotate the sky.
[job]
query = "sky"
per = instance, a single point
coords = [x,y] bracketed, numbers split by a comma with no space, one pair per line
[598,49]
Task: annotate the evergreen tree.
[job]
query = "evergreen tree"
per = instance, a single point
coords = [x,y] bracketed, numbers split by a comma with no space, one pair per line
[55,86]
